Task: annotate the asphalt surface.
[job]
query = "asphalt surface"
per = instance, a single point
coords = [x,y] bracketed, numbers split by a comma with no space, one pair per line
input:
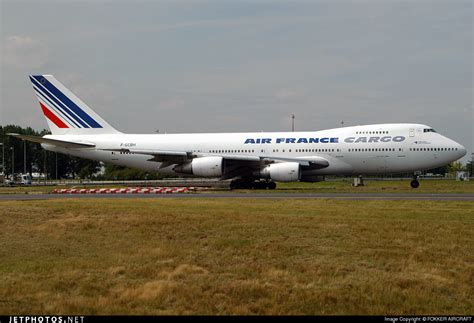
[340,196]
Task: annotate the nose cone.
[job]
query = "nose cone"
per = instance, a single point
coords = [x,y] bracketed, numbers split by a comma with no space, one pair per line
[459,150]
[462,151]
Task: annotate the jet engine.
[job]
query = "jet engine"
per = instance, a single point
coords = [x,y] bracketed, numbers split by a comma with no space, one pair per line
[282,172]
[203,166]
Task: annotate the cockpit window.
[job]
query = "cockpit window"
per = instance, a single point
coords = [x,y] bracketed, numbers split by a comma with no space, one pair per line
[429,130]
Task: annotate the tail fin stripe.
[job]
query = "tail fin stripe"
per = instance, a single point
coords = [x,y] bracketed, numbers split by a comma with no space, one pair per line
[55,107]
[51,116]
[84,116]
[58,102]
[53,111]
[65,113]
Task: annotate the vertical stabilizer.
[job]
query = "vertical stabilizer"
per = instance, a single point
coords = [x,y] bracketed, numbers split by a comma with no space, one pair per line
[65,112]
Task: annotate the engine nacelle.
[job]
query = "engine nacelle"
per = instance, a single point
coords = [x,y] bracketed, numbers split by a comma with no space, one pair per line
[203,166]
[282,172]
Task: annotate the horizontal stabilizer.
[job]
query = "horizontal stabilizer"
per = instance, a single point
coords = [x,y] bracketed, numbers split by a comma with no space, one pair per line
[55,142]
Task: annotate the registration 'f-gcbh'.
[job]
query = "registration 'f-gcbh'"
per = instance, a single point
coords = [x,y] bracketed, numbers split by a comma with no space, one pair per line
[250,159]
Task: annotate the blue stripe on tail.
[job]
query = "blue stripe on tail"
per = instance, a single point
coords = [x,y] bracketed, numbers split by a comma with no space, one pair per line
[54,105]
[66,101]
[58,103]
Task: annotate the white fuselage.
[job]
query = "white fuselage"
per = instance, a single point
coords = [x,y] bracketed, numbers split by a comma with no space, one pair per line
[369,149]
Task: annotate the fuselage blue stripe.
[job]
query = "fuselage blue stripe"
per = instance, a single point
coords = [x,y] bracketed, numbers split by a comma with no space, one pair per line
[84,116]
[55,106]
[62,105]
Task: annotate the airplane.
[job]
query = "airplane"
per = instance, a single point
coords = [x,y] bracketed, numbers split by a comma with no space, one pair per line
[251,160]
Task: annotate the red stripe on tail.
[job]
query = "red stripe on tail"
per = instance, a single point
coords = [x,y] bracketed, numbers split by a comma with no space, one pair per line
[51,116]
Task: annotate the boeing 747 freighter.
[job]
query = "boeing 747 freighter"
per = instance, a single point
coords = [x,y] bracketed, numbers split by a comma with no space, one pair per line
[257,159]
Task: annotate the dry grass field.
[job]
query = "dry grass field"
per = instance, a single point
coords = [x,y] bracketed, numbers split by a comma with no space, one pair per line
[236,256]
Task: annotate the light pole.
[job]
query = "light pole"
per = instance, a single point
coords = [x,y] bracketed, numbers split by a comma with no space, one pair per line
[44,166]
[3,158]
[292,122]
[472,164]
[13,162]
[24,157]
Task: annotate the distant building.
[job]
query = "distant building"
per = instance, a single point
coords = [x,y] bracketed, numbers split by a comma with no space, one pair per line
[38,176]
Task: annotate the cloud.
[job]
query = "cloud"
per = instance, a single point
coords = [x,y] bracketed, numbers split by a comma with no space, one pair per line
[24,52]
[171,103]
[245,66]
[287,94]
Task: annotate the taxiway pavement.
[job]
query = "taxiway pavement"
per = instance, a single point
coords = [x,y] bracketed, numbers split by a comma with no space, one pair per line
[340,196]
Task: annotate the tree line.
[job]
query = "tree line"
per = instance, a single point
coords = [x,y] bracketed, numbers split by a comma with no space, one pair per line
[57,165]
[60,166]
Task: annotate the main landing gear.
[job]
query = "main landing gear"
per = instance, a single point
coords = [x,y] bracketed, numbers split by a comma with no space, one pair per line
[251,184]
[414,183]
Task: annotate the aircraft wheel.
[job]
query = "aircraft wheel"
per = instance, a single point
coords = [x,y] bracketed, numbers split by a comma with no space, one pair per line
[259,185]
[271,185]
[414,183]
[246,185]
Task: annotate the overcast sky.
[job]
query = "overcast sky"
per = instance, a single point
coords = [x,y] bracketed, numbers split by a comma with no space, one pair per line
[233,66]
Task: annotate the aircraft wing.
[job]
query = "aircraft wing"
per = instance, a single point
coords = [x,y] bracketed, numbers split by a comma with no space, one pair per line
[166,157]
[170,157]
[55,142]
[180,156]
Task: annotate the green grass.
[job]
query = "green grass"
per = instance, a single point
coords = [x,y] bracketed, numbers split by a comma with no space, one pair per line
[27,189]
[397,186]
[236,256]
